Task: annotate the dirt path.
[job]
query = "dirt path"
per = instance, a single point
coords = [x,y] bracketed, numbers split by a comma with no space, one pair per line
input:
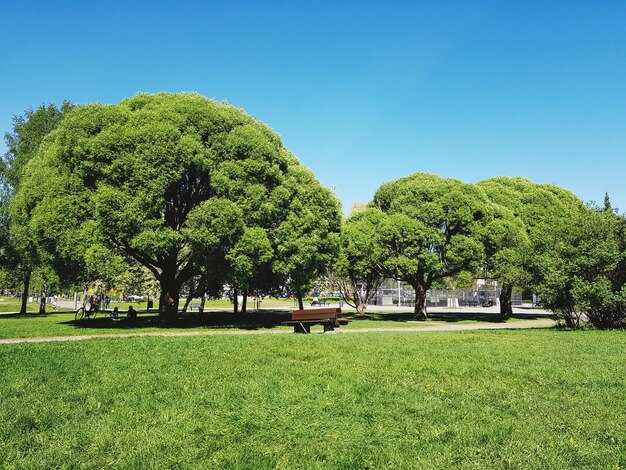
[541,323]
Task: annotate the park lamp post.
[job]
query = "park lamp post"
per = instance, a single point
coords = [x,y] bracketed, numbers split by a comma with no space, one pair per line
[399,293]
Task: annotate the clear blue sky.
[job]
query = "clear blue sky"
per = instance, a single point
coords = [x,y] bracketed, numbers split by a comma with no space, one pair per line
[362,92]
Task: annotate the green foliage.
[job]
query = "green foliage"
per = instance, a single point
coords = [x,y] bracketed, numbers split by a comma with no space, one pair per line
[463,280]
[135,279]
[432,226]
[357,271]
[250,252]
[29,130]
[507,247]
[433,229]
[544,209]
[529,219]
[607,202]
[174,181]
[585,272]
[19,254]
[307,239]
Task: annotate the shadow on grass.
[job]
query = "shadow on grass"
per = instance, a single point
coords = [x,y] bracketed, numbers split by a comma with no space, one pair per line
[488,317]
[244,321]
[258,320]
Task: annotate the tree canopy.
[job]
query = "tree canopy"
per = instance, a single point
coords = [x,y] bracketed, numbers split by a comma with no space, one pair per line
[179,183]
[544,211]
[433,230]
[584,274]
[18,254]
[199,194]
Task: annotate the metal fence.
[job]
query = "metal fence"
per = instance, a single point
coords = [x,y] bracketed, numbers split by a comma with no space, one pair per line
[442,298]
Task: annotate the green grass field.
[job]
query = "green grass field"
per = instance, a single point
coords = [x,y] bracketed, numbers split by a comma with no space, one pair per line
[11,304]
[489,399]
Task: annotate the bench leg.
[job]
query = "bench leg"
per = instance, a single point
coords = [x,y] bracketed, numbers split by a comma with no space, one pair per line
[328,328]
[301,328]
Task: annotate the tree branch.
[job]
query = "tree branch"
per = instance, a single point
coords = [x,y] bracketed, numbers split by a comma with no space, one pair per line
[143,260]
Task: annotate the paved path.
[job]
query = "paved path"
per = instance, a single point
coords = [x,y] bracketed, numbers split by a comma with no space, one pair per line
[519,325]
[540,323]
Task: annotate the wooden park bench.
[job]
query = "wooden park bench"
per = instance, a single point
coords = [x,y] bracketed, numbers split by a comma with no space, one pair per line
[302,320]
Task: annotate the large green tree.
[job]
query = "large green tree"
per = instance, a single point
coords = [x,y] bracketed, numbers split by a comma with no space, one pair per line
[174,181]
[545,212]
[18,254]
[433,230]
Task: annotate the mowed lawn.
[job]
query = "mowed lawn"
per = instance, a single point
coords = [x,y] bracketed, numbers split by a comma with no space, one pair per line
[483,399]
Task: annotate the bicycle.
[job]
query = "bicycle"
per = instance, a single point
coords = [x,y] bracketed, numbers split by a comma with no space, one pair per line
[84,313]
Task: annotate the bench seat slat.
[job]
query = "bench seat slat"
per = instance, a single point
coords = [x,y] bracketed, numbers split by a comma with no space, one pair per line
[318,313]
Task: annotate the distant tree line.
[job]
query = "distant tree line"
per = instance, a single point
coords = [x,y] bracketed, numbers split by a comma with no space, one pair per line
[429,231]
[197,195]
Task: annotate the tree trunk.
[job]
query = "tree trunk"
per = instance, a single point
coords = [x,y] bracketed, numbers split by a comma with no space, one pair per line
[244,302]
[360,309]
[300,303]
[168,301]
[42,304]
[202,302]
[25,293]
[506,304]
[187,302]
[420,302]
[235,301]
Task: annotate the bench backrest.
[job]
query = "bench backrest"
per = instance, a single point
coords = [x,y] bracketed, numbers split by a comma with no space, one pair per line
[316,314]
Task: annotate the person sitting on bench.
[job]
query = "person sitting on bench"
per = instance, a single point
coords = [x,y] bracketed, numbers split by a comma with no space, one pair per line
[132,313]
[115,314]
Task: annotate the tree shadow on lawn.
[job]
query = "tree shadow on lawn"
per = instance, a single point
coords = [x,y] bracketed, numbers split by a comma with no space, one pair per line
[244,321]
[258,320]
[488,317]
[34,315]
[268,320]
